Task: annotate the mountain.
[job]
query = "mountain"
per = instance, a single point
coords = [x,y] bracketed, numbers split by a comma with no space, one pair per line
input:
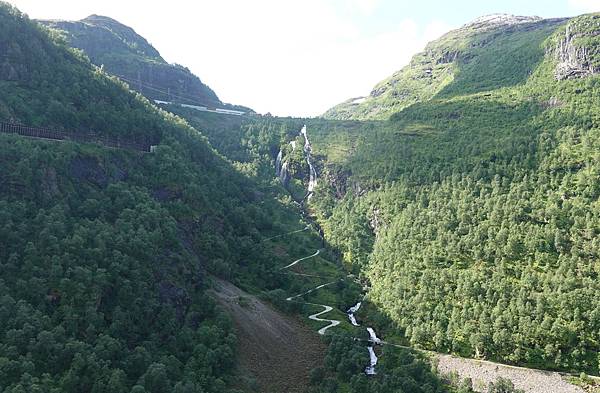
[129,56]
[106,254]
[491,51]
[465,220]
[473,209]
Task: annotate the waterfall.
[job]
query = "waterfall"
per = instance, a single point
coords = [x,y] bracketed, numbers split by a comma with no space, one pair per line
[370,370]
[373,337]
[373,340]
[278,163]
[284,174]
[312,182]
[351,312]
[281,168]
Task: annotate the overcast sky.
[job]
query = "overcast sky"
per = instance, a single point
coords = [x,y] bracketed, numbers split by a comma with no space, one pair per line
[295,57]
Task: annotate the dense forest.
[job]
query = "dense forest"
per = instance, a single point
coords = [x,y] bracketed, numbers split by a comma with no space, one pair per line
[475,215]
[468,203]
[106,254]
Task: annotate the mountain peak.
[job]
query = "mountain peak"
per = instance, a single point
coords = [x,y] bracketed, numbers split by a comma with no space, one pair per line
[494,20]
[99,18]
[128,55]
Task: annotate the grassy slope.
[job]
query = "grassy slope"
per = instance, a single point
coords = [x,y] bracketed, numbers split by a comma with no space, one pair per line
[466,60]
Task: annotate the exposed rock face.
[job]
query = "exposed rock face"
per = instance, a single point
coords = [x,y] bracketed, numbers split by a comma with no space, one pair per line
[178,297]
[86,169]
[375,220]
[574,59]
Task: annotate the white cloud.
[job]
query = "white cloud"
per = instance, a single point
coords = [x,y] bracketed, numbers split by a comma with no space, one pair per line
[283,57]
[585,5]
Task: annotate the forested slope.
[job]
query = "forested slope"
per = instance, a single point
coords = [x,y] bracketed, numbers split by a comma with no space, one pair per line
[105,253]
[125,53]
[475,212]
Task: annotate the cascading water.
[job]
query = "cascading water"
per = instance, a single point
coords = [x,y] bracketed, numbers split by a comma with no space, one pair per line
[312,182]
[351,312]
[278,163]
[373,337]
[373,340]
[281,170]
[284,174]
[370,370]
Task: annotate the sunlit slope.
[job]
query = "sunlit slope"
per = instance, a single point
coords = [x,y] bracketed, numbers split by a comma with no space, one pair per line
[475,212]
[486,54]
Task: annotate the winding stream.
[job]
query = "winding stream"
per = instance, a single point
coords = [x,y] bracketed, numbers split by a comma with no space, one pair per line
[281,170]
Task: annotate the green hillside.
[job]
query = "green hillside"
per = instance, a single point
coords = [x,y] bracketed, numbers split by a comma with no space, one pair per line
[124,53]
[106,254]
[474,211]
[461,199]
[482,55]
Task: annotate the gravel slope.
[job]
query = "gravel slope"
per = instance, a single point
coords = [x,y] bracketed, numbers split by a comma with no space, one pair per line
[483,372]
[278,350]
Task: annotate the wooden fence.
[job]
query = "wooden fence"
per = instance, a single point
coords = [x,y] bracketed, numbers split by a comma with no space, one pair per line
[80,137]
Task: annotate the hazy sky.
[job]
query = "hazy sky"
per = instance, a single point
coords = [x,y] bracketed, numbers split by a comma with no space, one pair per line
[294,57]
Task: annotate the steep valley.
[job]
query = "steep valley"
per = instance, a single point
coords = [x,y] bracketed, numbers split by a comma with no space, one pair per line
[441,235]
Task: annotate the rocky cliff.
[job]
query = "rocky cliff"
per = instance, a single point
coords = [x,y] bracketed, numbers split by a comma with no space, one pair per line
[577,48]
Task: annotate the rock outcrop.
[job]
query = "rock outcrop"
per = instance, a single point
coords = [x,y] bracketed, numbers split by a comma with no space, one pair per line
[577,51]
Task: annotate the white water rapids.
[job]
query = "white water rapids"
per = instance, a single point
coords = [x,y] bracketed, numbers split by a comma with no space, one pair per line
[373,337]
[370,370]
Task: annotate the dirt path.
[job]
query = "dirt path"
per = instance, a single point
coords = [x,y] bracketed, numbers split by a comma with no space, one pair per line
[277,349]
[301,259]
[483,372]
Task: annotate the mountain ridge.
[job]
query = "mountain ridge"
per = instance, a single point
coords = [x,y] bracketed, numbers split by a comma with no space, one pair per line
[128,55]
[437,66]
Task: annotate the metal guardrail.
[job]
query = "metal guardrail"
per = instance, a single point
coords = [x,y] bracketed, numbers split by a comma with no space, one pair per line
[81,137]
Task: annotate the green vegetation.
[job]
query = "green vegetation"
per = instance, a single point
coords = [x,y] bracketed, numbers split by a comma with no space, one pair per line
[471,59]
[582,34]
[106,254]
[121,51]
[473,211]
[403,371]
[475,214]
